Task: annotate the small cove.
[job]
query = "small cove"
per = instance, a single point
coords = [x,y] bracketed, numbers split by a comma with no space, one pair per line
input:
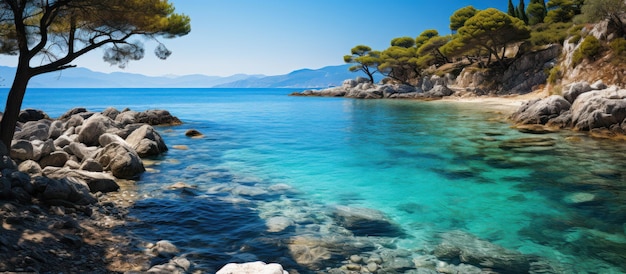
[431,167]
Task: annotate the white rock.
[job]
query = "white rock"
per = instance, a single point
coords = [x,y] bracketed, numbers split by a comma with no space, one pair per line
[252,268]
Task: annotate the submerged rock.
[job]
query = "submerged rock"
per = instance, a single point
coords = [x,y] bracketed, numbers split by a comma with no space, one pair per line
[365,221]
[466,248]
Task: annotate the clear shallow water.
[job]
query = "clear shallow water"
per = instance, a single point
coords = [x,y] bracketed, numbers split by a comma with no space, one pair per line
[431,167]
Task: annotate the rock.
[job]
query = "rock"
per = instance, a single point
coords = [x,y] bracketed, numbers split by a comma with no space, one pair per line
[579,198]
[30,167]
[30,114]
[92,128]
[56,190]
[356,259]
[439,91]
[97,181]
[126,117]
[22,150]
[540,111]
[193,133]
[74,122]
[278,224]
[56,129]
[599,109]
[108,138]
[62,141]
[525,73]
[91,165]
[598,85]
[122,161]
[248,191]
[576,89]
[466,248]
[5,188]
[252,268]
[34,130]
[164,249]
[146,141]
[7,163]
[80,192]
[365,221]
[157,117]
[56,159]
[72,112]
[82,151]
[111,112]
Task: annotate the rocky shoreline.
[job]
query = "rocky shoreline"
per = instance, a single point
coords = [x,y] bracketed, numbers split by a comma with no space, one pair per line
[60,196]
[595,108]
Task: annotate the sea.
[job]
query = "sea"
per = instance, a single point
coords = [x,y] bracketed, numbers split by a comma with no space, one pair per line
[266,180]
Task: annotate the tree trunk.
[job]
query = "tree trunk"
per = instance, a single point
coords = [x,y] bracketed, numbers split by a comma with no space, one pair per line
[13,106]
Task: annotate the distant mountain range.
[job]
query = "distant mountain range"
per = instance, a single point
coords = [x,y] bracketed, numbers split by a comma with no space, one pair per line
[85,78]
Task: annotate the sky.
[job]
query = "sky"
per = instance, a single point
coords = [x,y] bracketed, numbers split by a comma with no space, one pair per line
[274,37]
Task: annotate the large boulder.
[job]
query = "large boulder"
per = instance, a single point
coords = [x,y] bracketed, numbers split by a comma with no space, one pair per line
[540,111]
[22,150]
[157,117]
[34,130]
[72,112]
[31,115]
[57,159]
[93,127]
[56,129]
[574,90]
[96,181]
[81,151]
[122,161]
[69,189]
[146,141]
[599,109]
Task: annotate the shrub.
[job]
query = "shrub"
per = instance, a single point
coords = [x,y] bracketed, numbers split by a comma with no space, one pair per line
[554,75]
[574,39]
[590,47]
[544,34]
[618,46]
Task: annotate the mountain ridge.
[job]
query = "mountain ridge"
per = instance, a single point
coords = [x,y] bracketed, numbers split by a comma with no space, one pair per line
[86,78]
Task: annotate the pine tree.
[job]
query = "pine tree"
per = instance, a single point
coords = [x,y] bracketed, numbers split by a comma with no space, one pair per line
[511,10]
[521,9]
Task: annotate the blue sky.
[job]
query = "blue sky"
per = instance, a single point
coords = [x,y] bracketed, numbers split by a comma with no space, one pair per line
[278,36]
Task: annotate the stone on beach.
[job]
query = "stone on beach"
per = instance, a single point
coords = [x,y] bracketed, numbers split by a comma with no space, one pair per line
[252,268]
[365,221]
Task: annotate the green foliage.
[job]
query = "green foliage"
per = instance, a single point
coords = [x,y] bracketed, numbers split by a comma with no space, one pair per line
[404,42]
[561,11]
[365,60]
[613,10]
[536,12]
[545,34]
[430,54]
[618,46]
[554,75]
[589,49]
[521,12]
[399,63]
[511,9]
[491,30]
[458,18]
[425,36]
[574,39]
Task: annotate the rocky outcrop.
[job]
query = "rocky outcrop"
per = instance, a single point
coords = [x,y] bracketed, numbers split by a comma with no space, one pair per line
[582,107]
[433,87]
[522,76]
[80,153]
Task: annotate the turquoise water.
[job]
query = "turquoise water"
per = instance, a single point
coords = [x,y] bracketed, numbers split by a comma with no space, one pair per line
[431,167]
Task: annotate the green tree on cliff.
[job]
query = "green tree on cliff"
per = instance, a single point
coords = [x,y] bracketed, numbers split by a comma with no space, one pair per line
[536,11]
[611,10]
[491,30]
[48,35]
[511,9]
[458,18]
[521,12]
[365,60]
